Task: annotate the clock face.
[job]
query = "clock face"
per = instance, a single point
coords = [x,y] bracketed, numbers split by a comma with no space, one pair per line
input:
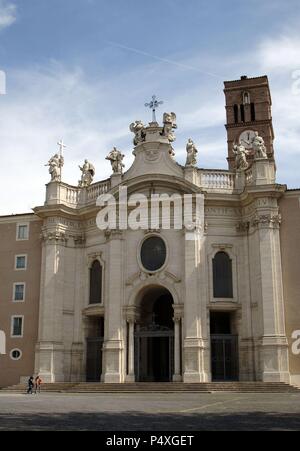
[247,138]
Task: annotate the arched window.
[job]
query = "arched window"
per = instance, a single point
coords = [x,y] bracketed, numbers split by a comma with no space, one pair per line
[236,114]
[246,98]
[96,283]
[222,270]
[253,115]
[242,113]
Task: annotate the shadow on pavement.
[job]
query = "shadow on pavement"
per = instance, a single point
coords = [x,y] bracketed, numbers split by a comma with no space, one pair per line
[138,421]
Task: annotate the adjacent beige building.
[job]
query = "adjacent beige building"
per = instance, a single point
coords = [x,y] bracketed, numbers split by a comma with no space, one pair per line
[290,247]
[159,302]
[20,273]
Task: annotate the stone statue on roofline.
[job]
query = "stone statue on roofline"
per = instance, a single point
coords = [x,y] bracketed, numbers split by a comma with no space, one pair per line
[259,147]
[116,158]
[240,153]
[192,152]
[55,165]
[88,174]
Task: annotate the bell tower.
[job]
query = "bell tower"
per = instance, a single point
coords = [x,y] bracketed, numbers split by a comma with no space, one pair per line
[248,108]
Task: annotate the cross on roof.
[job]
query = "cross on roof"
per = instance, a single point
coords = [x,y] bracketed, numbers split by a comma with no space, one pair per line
[153,105]
[62,147]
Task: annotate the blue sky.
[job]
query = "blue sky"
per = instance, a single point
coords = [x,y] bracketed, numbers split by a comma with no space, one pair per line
[83,69]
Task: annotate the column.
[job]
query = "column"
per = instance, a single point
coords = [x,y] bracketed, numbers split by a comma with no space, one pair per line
[132,316]
[131,376]
[177,377]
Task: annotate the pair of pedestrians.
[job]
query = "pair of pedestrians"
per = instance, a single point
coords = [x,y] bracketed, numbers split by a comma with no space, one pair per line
[34,385]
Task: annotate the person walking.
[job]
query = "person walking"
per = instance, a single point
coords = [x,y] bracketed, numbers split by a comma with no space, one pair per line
[38,384]
[30,386]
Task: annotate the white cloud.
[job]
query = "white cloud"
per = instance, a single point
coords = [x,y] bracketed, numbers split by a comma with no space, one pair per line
[8,14]
[47,103]
[280,58]
[210,114]
[282,53]
[45,106]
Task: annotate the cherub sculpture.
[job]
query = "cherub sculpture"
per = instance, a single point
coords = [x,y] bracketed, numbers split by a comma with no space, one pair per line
[170,125]
[138,129]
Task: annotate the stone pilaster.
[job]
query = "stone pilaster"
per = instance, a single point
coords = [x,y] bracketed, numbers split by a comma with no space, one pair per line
[273,346]
[240,180]
[77,353]
[191,174]
[50,348]
[116,179]
[114,339]
[195,339]
[81,281]
[264,172]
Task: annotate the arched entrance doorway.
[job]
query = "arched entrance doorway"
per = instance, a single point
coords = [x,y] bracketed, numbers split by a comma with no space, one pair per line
[154,337]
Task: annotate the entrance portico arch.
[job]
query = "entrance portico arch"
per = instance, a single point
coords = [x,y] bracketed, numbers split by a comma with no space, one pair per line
[141,289]
[154,336]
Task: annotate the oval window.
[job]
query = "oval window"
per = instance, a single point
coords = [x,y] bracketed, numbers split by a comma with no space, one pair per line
[16,354]
[153,253]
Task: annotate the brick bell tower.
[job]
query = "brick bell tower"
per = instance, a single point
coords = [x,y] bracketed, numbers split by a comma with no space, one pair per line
[248,107]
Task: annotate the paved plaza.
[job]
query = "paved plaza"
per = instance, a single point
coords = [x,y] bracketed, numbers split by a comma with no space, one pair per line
[150,412]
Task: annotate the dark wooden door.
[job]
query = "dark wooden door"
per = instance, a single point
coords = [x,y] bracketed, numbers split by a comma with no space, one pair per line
[154,355]
[224,357]
[94,359]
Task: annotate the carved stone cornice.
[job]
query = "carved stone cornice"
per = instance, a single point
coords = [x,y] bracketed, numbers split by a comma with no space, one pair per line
[178,312]
[243,226]
[169,275]
[113,234]
[79,240]
[159,276]
[223,246]
[199,230]
[266,221]
[95,256]
[94,310]
[54,237]
[62,237]
[132,314]
[152,231]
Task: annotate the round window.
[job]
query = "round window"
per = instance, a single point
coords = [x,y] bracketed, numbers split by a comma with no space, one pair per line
[16,354]
[153,253]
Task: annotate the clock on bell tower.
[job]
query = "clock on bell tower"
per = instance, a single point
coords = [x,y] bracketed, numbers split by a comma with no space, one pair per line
[248,108]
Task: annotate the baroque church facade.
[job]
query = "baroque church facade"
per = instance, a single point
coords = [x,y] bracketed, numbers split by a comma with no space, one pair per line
[160,304]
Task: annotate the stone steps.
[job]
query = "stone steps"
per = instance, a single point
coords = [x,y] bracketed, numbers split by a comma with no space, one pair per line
[231,387]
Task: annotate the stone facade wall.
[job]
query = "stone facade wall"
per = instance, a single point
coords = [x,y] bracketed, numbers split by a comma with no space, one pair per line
[239,215]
